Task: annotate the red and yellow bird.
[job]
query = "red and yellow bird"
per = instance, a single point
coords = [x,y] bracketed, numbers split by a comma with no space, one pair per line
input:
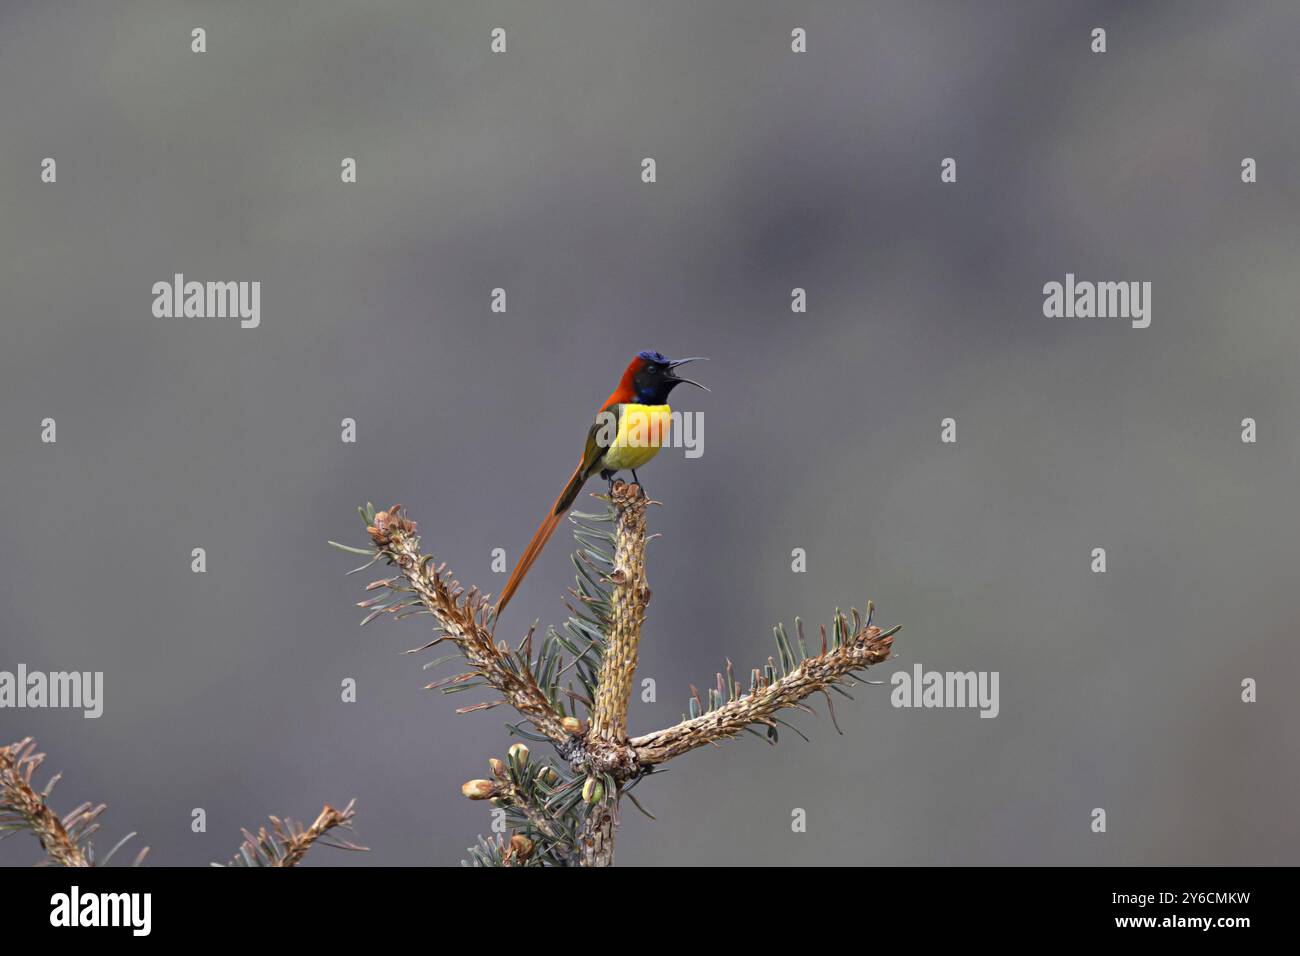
[628,431]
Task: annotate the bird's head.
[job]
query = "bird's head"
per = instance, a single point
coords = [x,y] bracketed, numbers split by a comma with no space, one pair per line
[653,375]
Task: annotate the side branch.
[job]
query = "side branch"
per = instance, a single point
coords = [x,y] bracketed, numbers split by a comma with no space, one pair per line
[23,808]
[530,794]
[287,842]
[856,647]
[462,616]
[66,840]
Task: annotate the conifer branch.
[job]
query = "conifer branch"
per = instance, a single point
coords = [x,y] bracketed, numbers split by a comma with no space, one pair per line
[66,839]
[537,799]
[463,619]
[857,645]
[559,818]
[21,807]
[287,842]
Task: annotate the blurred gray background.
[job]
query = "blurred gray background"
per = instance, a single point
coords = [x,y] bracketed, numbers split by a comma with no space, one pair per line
[775,170]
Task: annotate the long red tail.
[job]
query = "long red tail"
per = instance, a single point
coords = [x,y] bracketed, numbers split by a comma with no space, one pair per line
[542,535]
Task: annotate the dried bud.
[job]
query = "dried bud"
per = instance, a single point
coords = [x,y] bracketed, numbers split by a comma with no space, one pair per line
[387,522]
[498,768]
[519,753]
[593,791]
[478,789]
[521,846]
[571,725]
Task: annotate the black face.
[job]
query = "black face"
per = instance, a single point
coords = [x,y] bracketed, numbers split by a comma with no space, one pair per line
[657,377]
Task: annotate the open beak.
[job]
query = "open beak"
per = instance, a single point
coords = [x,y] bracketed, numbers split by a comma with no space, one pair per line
[677,378]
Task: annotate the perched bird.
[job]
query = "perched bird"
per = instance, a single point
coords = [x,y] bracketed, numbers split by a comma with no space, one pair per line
[628,431]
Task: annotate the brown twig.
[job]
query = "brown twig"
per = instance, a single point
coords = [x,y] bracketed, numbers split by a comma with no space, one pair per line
[22,807]
[64,839]
[865,645]
[462,617]
[287,842]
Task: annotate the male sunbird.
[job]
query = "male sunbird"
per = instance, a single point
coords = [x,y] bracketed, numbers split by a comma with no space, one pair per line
[629,430]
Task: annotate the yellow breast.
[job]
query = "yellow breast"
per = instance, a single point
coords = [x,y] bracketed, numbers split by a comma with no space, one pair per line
[642,431]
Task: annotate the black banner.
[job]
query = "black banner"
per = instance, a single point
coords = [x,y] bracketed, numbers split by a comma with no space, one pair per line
[329,905]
